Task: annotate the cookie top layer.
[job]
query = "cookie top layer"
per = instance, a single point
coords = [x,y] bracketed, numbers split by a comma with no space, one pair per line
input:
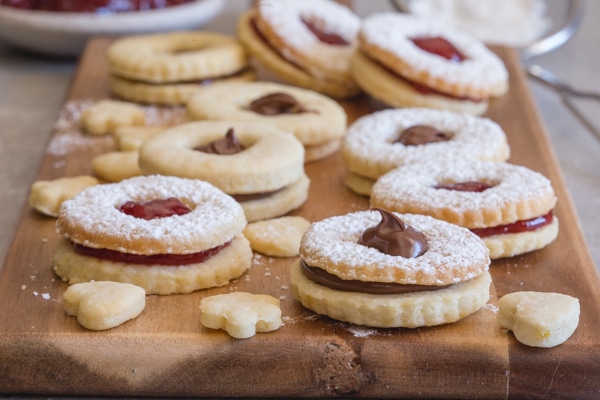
[454,255]
[176,56]
[284,24]
[93,219]
[369,149]
[320,120]
[386,37]
[516,192]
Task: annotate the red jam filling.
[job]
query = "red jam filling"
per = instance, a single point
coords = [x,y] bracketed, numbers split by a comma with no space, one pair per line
[325,37]
[464,186]
[159,208]
[154,259]
[92,6]
[516,227]
[439,46]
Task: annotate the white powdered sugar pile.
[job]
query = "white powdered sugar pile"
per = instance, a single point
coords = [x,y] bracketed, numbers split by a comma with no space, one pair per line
[509,22]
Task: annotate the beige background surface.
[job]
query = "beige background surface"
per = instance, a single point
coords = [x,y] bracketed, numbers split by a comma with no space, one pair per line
[33,88]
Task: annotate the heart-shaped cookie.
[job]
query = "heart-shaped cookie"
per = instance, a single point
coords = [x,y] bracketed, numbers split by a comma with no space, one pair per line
[103,304]
[241,314]
[539,319]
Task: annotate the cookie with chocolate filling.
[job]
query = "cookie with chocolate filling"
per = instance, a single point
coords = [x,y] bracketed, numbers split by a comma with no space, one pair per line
[376,143]
[509,206]
[261,166]
[385,270]
[166,68]
[165,234]
[408,61]
[317,121]
[305,43]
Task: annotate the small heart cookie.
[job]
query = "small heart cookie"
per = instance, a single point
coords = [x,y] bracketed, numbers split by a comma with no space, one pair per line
[539,319]
[277,237]
[102,304]
[241,314]
[107,115]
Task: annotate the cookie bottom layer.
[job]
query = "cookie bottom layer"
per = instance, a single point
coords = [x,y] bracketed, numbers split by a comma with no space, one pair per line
[218,270]
[390,89]
[278,204]
[513,244]
[409,310]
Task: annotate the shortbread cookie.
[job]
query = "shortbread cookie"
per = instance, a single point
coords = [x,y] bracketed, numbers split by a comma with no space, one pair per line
[241,314]
[105,116]
[103,304]
[539,319]
[115,166]
[376,143]
[46,196]
[164,234]
[509,206]
[277,237]
[317,121]
[261,166]
[131,137]
[426,65]
[166,68]
[304,43]
[391,270]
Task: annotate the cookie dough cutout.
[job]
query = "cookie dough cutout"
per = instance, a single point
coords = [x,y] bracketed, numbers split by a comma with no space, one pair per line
[116,166]
[277,237]
[131,137]
[241,314]
[104,305]
[107,115]
[46,196]
[539,319]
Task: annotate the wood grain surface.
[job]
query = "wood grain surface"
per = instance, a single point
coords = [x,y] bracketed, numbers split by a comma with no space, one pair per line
[166,352]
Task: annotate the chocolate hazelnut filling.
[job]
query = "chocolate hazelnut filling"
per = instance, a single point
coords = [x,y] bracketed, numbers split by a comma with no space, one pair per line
[421,134]
[225,146]
[277,103]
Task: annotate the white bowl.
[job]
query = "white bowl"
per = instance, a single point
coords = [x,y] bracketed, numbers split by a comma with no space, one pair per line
[65,34]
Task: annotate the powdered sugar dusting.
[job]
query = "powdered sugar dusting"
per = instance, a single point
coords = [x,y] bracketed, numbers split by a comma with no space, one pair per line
[95,210]
[332,244]
[369,146]
[392,32]
[413,185]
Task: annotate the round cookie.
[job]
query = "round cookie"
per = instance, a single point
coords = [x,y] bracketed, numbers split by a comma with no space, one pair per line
[265,174]
[426,65]
[317,121]
[304,43]
[164,234]
[341,275]
[508,206]
[376,143]
[166,68]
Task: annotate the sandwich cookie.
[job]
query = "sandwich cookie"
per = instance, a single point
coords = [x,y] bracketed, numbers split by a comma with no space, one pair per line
[304,43]
[166,68]
[407,61]
[166,235]
[388,270]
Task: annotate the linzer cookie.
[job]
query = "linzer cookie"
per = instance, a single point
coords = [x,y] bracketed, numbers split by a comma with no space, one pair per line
[164,234]
[166,68]
[407,61]
[509,206]
[317,121]
[387,270]
[305,43]
[378,142]
[261,166]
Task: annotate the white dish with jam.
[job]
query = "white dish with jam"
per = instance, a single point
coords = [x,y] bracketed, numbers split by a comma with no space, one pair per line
[61,33]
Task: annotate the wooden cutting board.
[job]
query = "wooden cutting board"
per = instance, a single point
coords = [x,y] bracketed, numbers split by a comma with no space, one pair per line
[166,352]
